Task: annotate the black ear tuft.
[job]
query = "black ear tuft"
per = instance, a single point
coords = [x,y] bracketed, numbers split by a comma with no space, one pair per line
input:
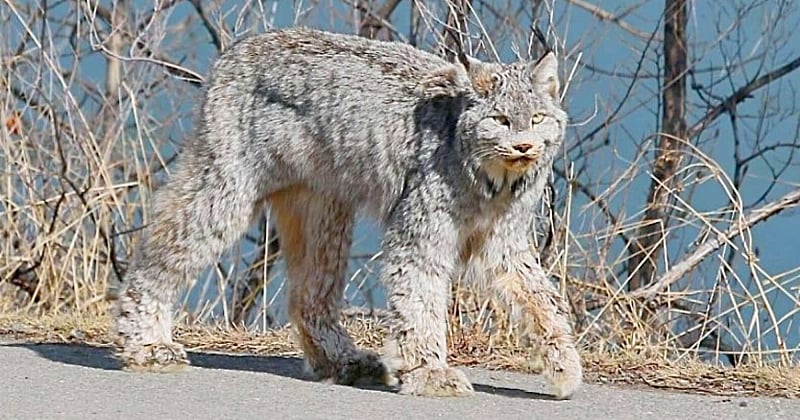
[542,40]
[463,59]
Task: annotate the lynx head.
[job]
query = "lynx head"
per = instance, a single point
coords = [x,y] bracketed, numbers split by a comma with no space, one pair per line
[512,120]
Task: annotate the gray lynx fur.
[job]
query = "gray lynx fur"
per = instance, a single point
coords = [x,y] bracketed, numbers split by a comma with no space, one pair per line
[451,158]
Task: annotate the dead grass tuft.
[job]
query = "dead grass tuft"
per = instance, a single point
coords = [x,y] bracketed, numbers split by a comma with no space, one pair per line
[693,376]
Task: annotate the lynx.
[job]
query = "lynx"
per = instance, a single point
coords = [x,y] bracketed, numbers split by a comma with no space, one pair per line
[451,157]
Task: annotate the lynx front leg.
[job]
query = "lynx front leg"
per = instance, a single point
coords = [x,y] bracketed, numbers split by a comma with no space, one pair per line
[537,310]
[419,255]
[542,318]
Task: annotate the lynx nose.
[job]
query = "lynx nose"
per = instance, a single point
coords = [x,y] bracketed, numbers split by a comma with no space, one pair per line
[522,147]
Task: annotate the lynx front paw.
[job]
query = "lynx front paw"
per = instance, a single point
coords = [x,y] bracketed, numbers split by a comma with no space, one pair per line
[363,368]
[427,382]
[160,358]
[560,364]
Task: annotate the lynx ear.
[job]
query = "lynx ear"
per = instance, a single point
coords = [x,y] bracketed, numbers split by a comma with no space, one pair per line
[467,76]
[482,78]
[544,74]
[470,64]
[447,81]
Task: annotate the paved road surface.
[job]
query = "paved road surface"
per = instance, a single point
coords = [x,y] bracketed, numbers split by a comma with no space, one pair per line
[69,381]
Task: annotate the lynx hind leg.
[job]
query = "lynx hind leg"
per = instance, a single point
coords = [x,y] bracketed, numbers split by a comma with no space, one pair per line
[194,218]
[541,316]
[316,234]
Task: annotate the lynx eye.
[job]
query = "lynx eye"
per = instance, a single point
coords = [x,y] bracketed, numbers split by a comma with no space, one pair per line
[537,118]
[502,120]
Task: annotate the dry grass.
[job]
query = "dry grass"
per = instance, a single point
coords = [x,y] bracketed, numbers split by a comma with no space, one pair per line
[466,349]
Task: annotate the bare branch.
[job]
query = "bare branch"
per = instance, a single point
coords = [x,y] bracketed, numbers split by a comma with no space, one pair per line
[669,151]
[605,15]
[215,35]
[741,94]
[682,268]
[372,22]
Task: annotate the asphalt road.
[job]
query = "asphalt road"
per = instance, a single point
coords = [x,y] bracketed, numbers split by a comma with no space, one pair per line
[55,381]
